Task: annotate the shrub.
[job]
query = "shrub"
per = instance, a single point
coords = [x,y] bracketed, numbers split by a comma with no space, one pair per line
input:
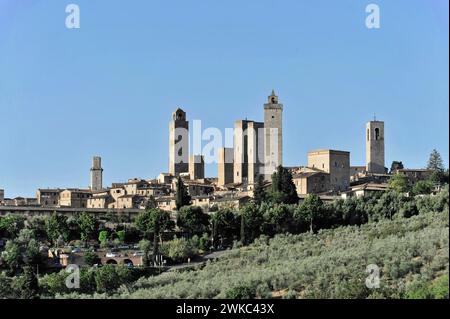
[178,249]
[244,291]
[91,258]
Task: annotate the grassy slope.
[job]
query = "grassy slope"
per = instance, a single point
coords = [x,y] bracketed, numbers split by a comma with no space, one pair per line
[410,253]
[330,264]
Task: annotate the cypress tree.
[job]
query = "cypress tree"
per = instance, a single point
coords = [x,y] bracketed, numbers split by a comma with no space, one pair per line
[259,193]
[282,184]
[182,197]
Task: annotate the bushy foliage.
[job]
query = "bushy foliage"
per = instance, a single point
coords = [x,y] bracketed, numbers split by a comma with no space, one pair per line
[242,291]
[10,225]
[421,289]
[192,220]
[105,279]
[399,183]
[26,285]
[87,225]
[252,219]
[91,258]
[178,249]
[57,228]
[225,227]
[423,187]
[153,222]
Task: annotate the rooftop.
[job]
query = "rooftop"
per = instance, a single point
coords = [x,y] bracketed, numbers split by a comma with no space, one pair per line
[329,151]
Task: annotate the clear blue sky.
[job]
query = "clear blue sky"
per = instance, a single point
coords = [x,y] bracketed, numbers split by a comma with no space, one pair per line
[109,88]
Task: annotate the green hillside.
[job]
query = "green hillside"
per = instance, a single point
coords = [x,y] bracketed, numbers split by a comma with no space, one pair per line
[411,253]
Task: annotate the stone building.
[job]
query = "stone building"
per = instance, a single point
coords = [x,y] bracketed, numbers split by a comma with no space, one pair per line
[116,192]
[196,167]
[101,199]
[96,174]
[202,201]
[248,151]
[166,203]
[273,135]
[2,195]
[128,201]
[225,166]
[48,197]
[375,147]
[365,189]
[311,182]
[336,163]
[178,143]
[164,178]
[74,198]
[20,201]
[414,175]
[255,151]
[258,146]
[357,172]
[231,202]
[195,188]
[143,187]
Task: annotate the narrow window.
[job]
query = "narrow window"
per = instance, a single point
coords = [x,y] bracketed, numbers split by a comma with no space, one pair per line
[377,134]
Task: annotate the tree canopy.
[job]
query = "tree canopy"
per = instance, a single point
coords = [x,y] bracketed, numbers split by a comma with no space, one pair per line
[153,222]
[57,228]
[435,162]
[283,187]
[192,220]
[87,225]
[259,193]
[399,183]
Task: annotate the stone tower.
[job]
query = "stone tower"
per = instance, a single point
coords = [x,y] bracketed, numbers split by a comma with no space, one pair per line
[196,167]
[273,134]
[248,151]
[375,147]
[96,174]
[225,166]
[178,143]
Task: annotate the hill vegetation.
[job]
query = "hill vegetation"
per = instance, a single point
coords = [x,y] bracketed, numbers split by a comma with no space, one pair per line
[411,253]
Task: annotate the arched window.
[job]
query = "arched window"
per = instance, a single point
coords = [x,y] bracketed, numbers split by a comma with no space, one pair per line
[377,134]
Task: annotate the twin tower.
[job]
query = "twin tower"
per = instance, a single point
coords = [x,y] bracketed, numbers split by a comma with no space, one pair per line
[257,147]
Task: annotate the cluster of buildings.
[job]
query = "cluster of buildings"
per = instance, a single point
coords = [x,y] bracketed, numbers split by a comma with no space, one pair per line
[257,151]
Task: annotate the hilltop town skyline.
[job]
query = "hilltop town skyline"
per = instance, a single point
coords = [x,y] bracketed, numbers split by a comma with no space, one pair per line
[96,165]
[71,99]
[212,168]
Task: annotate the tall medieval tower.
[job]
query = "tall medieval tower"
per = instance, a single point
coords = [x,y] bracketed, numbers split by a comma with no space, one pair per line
[273,135]
[178,143]
[96,174]
[375,147]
